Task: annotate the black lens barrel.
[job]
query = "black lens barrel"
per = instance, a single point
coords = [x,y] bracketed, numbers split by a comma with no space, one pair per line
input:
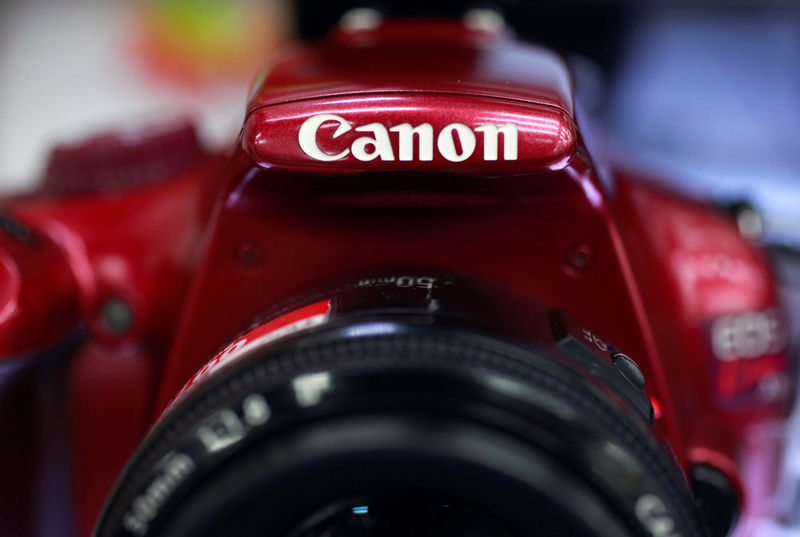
[394,406]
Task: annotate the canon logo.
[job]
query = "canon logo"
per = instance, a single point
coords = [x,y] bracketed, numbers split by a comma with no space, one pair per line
[378,143]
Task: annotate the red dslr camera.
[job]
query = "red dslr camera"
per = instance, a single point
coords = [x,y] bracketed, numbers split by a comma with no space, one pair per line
[417,298]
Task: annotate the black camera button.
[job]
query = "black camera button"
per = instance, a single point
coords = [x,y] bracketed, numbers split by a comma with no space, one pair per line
[628,369]
[16,229]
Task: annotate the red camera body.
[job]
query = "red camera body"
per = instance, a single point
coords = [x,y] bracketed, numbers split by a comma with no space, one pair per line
[415,147]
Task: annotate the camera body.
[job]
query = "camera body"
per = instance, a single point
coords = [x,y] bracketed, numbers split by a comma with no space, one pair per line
[410,158]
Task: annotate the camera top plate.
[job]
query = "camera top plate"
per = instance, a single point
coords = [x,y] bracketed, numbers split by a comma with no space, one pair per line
[458,100]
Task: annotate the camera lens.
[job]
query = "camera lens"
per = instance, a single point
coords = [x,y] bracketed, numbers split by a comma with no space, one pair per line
[385,517]
[390,422]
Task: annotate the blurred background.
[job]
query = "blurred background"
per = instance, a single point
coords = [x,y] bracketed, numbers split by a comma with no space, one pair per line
[707,92]
[70,68]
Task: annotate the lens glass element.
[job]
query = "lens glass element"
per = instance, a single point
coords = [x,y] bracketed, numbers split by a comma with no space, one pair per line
[399,517]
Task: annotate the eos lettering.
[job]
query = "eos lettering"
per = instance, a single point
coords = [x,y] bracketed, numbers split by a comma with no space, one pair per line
[455,142]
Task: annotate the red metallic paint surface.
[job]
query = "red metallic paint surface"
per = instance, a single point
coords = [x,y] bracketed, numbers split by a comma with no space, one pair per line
[692,268]
[40,295]
[546,135]
[202,254]
[140,244]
